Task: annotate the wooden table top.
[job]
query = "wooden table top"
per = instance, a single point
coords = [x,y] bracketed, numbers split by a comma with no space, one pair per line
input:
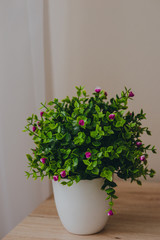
[138,217]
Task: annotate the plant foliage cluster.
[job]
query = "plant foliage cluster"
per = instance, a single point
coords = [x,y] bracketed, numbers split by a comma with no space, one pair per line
[63,142]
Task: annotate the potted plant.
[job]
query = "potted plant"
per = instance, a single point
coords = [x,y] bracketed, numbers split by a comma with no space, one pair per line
[80,143]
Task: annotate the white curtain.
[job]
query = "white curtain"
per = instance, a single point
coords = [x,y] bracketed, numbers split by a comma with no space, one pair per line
[22,88]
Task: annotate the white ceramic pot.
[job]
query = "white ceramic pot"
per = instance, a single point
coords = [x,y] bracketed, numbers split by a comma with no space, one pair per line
[81,207]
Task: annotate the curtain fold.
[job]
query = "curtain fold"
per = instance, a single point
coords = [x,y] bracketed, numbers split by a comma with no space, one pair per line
[22,88]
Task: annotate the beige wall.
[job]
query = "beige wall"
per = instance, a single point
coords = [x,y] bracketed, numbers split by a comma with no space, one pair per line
[111,44]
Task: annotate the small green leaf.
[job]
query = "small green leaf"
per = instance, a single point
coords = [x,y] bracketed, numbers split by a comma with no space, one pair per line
[93,134]
[95,171]
[119,150]
[53,126]
[49,134]
[75,162]
[96,143]
[110,190]
[106,154]
[114,196]
[118,124]
[29,157]
[64,183]
[51,103]
[107,174]
[86,162]
[109,149]
[99,154]
[70,183]
[78,178]
[68,137]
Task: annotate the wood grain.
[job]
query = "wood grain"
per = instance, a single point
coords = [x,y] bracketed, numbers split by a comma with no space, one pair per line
[138,218]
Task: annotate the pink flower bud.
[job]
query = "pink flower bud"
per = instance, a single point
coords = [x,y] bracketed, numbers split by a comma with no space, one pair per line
[38,123]
[81,122]
[41,114]
[105,93]
[142,158]
[88,154]
[63,174]
[110,213]
[55,178]
[97,90]
[34,128]
[112,116]
[131,94]
[43,160]
[138,144]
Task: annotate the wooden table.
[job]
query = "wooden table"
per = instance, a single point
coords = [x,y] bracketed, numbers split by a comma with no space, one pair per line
[138,217]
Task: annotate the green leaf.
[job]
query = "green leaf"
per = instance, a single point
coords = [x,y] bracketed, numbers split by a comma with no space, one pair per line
[53,126]
[95,171]
[96,143]
[59,129]
[51,103]
[49,134]
[86,162]
[132,125]
[107,174]
[78,178]
[35,175]
[84,93]
[75,162]
[97,109]
[99,154]
[29,157]
[109,149]
[111,204]
[47,169]
[139,182]
[110,190]
[59,136]
[119,150]
[93,134]
[70,183]
[88,140]
[27,174]
[106,154]
[94,164]
[114,196]
[68,137]
[64,183]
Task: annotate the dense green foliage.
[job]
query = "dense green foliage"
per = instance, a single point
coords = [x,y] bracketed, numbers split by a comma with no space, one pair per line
[63,141]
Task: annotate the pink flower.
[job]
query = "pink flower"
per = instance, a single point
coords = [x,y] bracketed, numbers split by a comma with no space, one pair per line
[88,154]
[81,122]
[110,213]
[142,158]
[34,128]
[138,144]
[55,178]
[41,114]
[112,116]
[43,160]
[63,174]
[131,94]
[97,90]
